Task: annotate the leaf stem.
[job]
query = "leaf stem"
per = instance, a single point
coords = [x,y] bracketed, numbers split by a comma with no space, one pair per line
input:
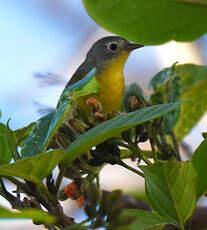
[152,142]
[47,194]
[120,143]
[121,163]
[182,226]
[19,184]
[135,148]
[59,178]
[175,145]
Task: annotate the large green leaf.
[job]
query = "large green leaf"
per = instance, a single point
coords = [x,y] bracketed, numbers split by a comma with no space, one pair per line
[88,85]
[171,189]
[5,148]
[33,144]
[194,82]
[152,21]
[199,160]
[33,168]
[61,112]
[114,127]
[145,220]
[34,214]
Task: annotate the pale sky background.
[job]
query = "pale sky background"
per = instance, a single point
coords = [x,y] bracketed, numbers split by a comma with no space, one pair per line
[53,36]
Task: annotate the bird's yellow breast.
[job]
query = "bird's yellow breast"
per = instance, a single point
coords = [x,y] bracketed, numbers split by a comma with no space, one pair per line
[112,83]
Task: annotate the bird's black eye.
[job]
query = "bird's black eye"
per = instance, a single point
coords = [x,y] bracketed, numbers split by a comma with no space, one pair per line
[113,46]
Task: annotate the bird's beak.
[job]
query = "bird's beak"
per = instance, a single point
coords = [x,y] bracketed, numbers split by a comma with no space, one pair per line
[133,46]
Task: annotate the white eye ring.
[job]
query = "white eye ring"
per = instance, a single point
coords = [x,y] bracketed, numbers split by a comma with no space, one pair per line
[112,46]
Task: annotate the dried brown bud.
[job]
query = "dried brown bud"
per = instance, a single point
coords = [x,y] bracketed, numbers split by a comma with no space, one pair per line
[133,101]
[78,125]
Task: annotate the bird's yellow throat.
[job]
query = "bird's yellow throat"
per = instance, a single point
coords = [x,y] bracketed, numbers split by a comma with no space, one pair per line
[112,83]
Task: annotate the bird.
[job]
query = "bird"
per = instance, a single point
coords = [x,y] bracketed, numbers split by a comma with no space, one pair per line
[108,55]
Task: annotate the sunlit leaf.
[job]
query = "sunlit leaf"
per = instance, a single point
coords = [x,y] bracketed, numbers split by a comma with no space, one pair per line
[34,214]
[194,82]
[152,21]
[199,160]
[33,168]
[171,189]
[5,148]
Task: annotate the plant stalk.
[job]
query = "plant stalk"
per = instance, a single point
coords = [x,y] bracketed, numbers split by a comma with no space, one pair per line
[121,163]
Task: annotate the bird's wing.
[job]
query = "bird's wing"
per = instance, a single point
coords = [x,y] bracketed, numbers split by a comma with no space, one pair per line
[80,73]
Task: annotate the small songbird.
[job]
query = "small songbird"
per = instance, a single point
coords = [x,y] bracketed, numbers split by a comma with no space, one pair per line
[108,55]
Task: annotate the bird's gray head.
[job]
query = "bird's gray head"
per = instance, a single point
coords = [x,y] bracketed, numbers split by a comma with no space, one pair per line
[108,48]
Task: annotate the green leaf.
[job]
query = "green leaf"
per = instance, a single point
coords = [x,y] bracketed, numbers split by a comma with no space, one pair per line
[5,148]
[160,78]
[136,91]
[12,140]
[32,145]
[91,86]
[199,160]
[152,21]
[171,118]
[34,214]
[171,189]
[191,74]
[114,127]
[167,89]
[33,168]
[87,85]
[193,81]
[21,134]
[61,112]
[145,220]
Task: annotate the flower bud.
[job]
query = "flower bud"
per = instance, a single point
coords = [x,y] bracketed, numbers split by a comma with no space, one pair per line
[94,104]
[71,190]
[100,116]
[81,201]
